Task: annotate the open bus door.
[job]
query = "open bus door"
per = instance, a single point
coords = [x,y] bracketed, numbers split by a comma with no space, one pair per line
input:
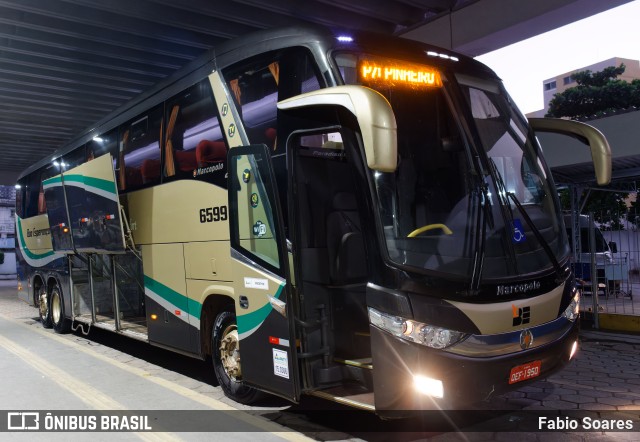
[262,284]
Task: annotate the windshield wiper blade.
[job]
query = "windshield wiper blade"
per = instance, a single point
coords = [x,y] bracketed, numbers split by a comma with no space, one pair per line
[561,276]
[482,200]
[505,207]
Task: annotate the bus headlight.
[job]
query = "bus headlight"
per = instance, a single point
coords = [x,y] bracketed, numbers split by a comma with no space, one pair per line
[410,330]
[573,310]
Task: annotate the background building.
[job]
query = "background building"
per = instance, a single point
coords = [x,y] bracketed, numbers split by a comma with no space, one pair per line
[561,82]
[8,231]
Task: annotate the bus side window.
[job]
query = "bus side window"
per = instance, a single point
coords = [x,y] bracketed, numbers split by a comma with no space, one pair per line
[253,85]
[31,194]
[257,84]
[139,152]
[194,143]
[45,174]
[20,192]
[74,158]
[103,144]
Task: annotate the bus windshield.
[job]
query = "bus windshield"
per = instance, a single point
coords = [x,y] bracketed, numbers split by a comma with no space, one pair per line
[455,203]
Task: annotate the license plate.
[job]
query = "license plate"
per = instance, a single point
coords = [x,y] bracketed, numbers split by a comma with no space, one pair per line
[524,372]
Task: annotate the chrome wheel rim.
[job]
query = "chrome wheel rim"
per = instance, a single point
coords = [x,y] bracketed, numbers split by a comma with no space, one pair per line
[42,304]
[230,353]
[56,309]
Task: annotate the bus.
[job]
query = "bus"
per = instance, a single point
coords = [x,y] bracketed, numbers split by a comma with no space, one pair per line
[358,217]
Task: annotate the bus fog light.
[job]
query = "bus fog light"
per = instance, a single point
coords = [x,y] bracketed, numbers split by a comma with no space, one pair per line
[428,386]
[574,348]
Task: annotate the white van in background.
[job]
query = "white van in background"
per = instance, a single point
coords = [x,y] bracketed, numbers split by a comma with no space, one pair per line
[603,249]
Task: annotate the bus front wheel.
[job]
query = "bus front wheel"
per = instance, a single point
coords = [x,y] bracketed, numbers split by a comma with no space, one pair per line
[226,359]
[56,305]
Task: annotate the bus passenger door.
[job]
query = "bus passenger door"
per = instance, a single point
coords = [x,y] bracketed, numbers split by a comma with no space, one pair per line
[260,267]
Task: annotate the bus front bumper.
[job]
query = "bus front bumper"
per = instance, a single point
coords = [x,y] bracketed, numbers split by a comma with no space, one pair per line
[409,376]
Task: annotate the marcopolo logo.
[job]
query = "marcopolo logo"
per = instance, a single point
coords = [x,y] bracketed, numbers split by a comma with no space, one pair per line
[515,289]
[521,315]
[204,170]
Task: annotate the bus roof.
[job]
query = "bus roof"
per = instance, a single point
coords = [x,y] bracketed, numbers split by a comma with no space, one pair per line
[244,47]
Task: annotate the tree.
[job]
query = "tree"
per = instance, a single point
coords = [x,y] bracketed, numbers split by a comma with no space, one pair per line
[597,93]
[634,213]
[608,208]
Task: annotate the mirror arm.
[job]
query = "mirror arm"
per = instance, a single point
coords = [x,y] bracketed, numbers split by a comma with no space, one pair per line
[585,133]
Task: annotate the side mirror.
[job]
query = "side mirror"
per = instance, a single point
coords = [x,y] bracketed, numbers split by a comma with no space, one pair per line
[374,114]
[613,247]
[589,135]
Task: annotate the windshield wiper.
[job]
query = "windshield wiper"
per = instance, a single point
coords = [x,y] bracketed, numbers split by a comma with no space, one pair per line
[505,208]
[561,276]
[482,202]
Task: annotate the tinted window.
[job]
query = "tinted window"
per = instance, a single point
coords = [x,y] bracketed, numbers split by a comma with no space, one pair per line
[34,203]
[139,156]
[195,146]
[74,158]
[259,83]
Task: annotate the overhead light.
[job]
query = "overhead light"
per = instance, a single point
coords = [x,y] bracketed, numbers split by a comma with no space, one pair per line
[18,186]
[345,38]
[441,55]
[98,139]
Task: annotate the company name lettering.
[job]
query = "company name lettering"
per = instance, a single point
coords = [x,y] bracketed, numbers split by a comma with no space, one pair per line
[39,232]
[514,289]
[203,170]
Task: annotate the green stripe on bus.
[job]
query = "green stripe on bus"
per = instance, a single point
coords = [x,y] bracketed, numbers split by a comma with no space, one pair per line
[254,319]
[52,180]
[180,301]
[98,183]
[26,250]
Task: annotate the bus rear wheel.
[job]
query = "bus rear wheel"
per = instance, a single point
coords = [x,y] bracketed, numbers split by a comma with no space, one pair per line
[59,322]
[226,359]
[44,306]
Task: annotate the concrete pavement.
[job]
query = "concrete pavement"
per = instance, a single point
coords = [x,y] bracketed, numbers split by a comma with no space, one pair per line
[113,372]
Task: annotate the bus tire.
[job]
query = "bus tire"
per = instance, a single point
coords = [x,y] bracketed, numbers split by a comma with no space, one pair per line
[44,311]
[225,355]
[56,306]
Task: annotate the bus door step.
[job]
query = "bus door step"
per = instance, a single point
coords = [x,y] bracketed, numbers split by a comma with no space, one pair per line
[351,395]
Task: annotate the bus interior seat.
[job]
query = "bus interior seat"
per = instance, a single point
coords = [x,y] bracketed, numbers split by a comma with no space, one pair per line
[345,245]
[133,177]
[185,160]
[210,152]
[270,138]
[42,207]
[150,170]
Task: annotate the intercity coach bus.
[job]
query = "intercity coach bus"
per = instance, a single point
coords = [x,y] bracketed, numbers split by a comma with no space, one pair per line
[362,218]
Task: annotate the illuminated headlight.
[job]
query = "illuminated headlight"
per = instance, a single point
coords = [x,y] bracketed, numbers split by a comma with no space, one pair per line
[573,310]
[429,335]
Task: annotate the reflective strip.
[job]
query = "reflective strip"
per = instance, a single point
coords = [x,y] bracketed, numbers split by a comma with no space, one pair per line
[173,301]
